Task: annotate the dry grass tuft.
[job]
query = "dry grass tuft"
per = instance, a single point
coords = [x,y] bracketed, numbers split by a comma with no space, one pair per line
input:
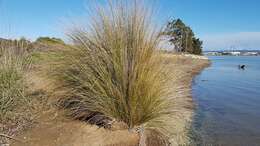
[114,70]
[13,64]
[15,104]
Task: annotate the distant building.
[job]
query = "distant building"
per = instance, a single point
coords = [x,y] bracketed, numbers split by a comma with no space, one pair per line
[235,53]
[212,53]
[251,53]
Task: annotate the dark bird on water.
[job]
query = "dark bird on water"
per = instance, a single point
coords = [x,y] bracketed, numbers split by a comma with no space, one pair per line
[241,66]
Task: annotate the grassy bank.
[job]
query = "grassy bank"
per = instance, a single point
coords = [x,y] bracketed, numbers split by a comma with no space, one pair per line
[112,80]
[185,67]
[57,129]
[39,112]
[23,95]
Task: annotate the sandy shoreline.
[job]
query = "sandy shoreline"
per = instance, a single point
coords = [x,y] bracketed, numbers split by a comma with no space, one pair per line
[186,67]
[59,131]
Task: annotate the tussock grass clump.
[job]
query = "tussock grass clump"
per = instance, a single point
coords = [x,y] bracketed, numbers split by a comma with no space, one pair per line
[114,70]
[14,62]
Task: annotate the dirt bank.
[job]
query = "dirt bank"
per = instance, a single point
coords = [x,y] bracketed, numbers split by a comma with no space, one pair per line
[53,129]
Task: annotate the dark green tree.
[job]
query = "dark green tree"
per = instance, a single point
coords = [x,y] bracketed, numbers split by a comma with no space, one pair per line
[176,30]
[182,37]
[197,46]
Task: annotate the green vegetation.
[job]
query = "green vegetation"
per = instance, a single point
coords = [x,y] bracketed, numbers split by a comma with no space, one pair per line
[182,37]
[14,62]
[115,71]
[49,40]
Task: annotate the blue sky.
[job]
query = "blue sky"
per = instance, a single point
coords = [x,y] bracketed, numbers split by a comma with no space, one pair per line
[221,24]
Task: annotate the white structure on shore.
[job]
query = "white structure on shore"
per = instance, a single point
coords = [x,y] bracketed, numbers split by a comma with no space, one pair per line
[235,53]
[251,54]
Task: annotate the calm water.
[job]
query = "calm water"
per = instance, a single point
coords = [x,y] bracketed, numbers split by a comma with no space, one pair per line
[228,102]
